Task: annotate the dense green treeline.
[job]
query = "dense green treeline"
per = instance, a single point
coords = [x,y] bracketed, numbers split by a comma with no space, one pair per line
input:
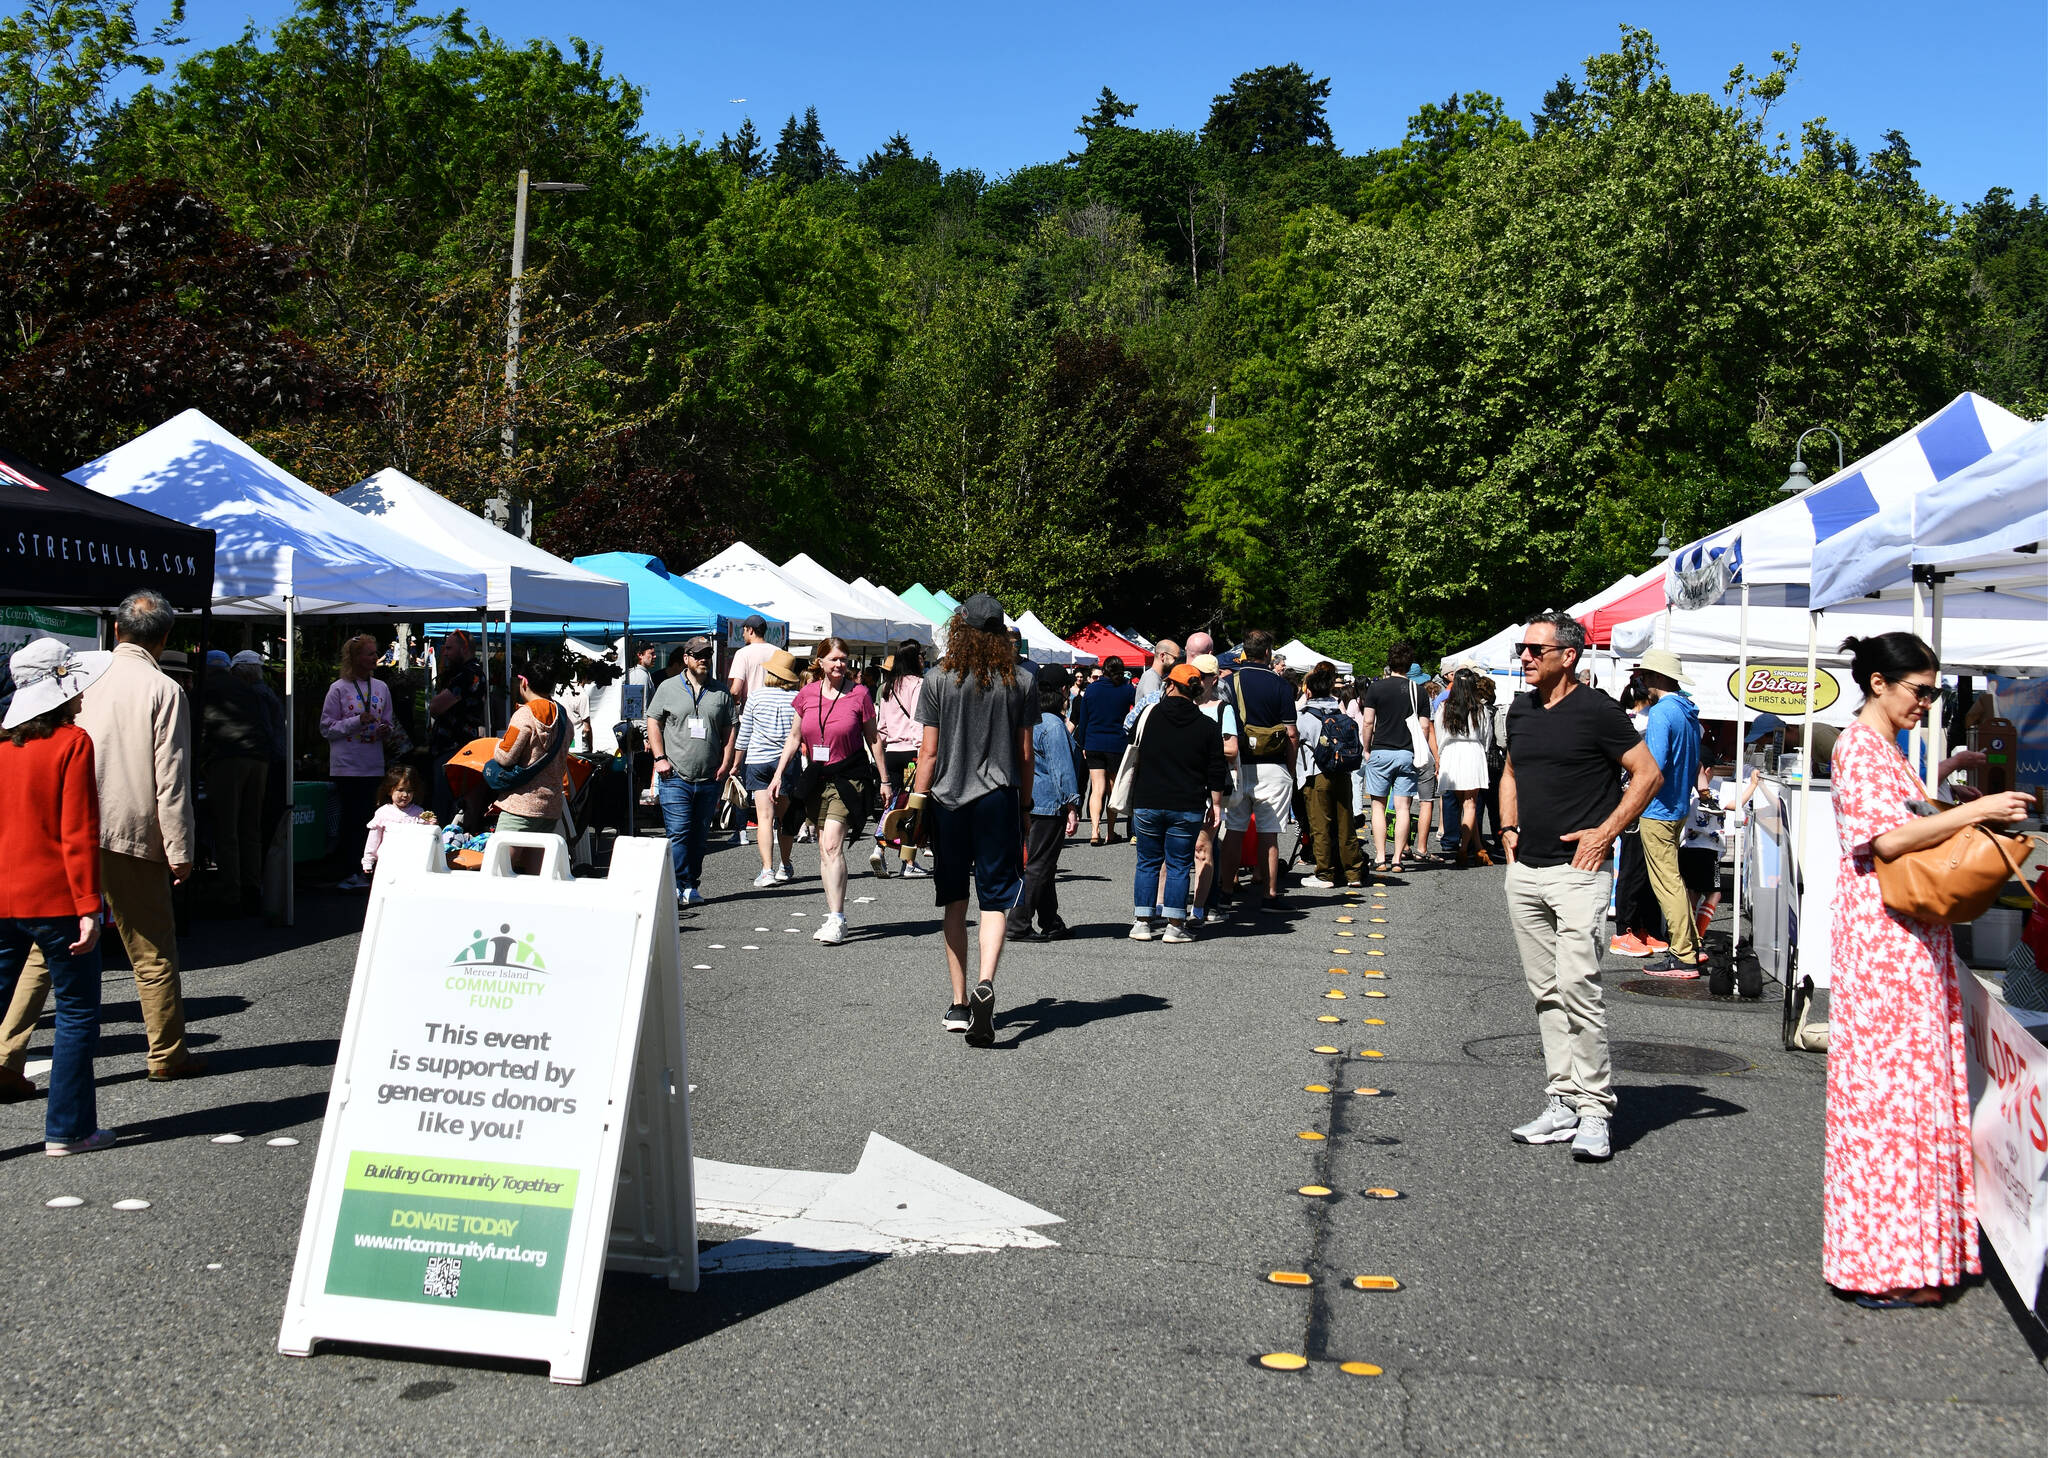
[1455,378]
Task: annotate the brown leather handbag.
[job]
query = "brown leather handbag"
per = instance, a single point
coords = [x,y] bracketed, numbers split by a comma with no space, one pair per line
[1954,881]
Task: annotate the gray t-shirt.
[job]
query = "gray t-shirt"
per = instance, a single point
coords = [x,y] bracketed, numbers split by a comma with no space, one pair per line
[675,704]
[977,732]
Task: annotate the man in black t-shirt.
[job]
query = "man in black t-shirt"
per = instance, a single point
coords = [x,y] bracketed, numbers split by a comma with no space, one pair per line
[1386,707]
[1264,803]
[1561,806]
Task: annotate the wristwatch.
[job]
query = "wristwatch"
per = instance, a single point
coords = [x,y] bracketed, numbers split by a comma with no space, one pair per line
[1511,830]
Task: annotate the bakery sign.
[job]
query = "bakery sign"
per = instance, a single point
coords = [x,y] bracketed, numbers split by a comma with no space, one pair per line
[1780,688]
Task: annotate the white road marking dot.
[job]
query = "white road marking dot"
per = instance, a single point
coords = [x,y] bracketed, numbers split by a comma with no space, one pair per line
[799,913]
[760,928]
[226,1139]
[213,1265]
[283,1141]
[717,946]
[863,900]
[63,1202]
[131,1204]
[794,931]
[701,967]
[749,947]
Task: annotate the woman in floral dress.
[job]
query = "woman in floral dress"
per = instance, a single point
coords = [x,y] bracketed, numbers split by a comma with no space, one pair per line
[1899,1215]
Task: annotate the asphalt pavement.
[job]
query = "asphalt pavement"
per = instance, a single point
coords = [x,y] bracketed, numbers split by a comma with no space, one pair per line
[1153,1096]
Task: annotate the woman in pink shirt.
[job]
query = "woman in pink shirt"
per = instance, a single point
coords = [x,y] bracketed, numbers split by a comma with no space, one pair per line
[835,730]
[355,720]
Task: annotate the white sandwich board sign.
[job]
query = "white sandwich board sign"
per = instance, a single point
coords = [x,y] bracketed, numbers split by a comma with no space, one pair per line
[510,1109]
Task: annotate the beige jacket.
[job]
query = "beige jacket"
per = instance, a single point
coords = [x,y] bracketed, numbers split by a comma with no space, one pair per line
[525,742]
[142,743]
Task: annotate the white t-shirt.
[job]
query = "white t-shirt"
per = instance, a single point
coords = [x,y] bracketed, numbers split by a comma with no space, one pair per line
[750,665]
[1708,822]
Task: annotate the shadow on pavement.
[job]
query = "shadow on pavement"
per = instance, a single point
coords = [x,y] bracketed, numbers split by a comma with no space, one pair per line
[1053,1014]
[1645,1108]
[639,1319]
[251,1120]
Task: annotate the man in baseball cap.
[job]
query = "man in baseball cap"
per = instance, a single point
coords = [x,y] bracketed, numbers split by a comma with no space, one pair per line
[691,731]
[744,676]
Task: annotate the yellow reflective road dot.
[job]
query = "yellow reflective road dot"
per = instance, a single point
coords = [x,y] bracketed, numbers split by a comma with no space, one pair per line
[1315,1088]
[1340,971]
[1374,952]
[1340,951]
[1374,992]
[1381,1193]
[1308,1134]
[1334,992]
[1367,1093]
[1372,972]
[1376,1022]
[1376,1283]
[1290,1278]
[1314,1192]
[1343,921]
[1379,918]
[1283,1361]
[1357,1369]
[1376,936]
[1329,1018]
[1347,934]
[1370,1053]
[1325,1048]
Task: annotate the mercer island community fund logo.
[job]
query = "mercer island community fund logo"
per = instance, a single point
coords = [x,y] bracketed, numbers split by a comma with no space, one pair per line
[495,970]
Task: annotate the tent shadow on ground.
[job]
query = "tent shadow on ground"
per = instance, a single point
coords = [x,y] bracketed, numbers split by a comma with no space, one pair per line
[1643,1109]
[1056,1014]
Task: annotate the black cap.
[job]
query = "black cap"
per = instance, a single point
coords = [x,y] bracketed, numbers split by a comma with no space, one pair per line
[756,622]
[982,612]
[1054,676]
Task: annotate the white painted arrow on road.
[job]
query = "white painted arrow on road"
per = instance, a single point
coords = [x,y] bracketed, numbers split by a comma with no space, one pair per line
[896,1202]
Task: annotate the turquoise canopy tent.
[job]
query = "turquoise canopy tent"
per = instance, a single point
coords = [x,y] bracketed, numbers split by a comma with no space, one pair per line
[929,603]
[663,607]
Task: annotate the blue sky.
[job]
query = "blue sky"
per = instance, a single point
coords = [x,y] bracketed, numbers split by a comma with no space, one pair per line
[997,86]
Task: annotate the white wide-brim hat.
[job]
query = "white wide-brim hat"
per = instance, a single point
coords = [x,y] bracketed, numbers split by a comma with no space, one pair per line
[1664,661]
[46,674]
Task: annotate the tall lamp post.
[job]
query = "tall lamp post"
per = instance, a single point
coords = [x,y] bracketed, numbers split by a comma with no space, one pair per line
[507,438]
[1799,481]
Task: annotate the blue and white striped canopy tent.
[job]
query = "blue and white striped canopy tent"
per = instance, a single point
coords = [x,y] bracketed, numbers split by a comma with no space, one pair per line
[1772,552]
[1980,528]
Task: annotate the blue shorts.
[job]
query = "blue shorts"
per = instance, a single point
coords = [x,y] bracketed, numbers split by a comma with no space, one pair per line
[1390,770]
[756,777]
[983,838]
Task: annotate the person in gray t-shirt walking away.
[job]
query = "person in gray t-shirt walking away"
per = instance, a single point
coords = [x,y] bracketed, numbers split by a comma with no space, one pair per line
[978,708]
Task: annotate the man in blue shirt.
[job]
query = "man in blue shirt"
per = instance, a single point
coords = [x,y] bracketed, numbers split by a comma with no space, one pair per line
[1673,737]
[1054,804]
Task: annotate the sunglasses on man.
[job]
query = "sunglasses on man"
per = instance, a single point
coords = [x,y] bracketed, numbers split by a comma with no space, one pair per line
[1537,650]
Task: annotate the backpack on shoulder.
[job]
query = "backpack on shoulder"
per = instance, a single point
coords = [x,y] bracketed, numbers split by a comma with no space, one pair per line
[1338,750]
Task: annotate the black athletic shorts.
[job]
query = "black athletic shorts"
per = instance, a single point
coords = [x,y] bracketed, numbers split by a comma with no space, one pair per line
[1102,759]
[1700,869]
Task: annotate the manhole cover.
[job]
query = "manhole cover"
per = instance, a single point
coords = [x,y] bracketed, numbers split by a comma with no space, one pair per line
[1526,1049]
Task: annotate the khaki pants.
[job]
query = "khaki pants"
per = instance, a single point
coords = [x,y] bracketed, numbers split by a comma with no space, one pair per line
[1555,912]
[138,894]
[1660,853]
[234,791]
[1339,857]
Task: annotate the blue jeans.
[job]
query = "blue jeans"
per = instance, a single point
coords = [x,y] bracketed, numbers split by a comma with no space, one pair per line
[1167,835]
[73,1108]
[687,809]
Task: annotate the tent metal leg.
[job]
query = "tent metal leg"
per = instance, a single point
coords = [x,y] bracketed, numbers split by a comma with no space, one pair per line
[291,786]
[1741,733]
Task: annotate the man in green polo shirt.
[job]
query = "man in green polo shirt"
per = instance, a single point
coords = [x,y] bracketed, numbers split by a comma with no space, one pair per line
[690,727]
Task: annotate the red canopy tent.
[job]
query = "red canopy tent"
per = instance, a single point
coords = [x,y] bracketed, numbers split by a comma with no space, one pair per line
[1637,602]
[1094,638]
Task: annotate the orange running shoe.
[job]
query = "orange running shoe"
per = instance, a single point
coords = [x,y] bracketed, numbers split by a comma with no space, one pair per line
[1628,945]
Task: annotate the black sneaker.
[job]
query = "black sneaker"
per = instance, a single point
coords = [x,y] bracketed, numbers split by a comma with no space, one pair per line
[981,1014]
[956,1018]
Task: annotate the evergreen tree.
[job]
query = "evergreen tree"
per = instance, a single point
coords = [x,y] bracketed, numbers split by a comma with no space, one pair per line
[1558,104]
[1270,112]
[801,156]
[744,151]
[1110,113]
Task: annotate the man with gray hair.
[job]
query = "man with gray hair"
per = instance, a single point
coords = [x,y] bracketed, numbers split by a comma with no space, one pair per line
[1561,806]
[142,748]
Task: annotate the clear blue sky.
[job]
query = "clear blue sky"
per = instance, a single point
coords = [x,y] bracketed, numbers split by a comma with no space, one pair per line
[997,86]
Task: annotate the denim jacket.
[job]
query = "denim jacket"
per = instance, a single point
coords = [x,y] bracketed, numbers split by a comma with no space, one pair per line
[1053,787]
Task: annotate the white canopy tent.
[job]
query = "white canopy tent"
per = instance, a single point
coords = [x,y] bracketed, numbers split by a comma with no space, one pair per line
[520,578]
[1300,656]
[829,587]
[1046,646]
[744,575]
[282,548]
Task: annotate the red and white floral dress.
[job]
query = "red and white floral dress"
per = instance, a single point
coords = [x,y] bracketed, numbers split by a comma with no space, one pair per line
[1898,1209]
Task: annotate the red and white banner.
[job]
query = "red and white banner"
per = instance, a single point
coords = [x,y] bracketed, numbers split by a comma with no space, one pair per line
[2008,1133]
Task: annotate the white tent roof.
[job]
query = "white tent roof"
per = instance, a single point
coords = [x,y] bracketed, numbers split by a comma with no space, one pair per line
[1299,655]
[830,587]
[744,575]
[1495,654]
[900,612]
[1776,546]
[521,578]
[1046,646]
[1975,528]
[1977,633]
[276,537]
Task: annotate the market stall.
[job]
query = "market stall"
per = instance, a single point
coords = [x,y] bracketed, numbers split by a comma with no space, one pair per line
[62,545]
[1299,655]
[1106,643]
[1046,646]
[744,575]
[828,587]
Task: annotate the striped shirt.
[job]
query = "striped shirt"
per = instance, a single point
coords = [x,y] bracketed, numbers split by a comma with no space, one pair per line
[764,726]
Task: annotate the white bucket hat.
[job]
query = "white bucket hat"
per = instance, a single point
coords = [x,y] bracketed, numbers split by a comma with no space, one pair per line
[46,674]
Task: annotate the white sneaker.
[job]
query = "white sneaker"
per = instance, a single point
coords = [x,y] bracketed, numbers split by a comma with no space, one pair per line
[745,837]
[765,879]
[914,872]
[875,861]
[1141,931]
[1591,1146]
[690,896]
[1176,934]
[803,833]
[783,872]
[831,931]
[1317,883]
[1557,1123]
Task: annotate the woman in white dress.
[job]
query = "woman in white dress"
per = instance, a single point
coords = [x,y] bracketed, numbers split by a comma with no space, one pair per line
[1464,732]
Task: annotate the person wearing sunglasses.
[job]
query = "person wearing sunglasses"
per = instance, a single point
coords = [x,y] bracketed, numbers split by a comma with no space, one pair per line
[1562,805]
[1898,1204]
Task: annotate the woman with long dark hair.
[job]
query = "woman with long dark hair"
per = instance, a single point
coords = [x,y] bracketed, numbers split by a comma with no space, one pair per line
[1464,732]
[896,716]
[1898,1203]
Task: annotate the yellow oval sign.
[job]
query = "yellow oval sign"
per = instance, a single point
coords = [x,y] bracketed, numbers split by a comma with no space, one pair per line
[1780,688]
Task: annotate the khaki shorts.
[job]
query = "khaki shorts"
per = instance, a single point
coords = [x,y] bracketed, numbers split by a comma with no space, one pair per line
[839,800]
[1265,805]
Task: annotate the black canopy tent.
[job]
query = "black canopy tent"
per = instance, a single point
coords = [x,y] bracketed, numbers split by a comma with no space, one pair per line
[62,545]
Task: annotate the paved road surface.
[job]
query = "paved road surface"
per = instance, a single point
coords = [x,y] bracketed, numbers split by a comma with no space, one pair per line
[1668,1302]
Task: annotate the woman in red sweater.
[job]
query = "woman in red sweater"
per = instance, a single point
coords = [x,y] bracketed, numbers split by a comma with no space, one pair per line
[50,888]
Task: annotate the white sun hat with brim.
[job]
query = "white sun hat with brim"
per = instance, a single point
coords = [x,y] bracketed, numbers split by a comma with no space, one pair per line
[46,674]
[1664,661]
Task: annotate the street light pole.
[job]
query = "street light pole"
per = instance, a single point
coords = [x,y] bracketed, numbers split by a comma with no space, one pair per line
[508,433]
[1798,481]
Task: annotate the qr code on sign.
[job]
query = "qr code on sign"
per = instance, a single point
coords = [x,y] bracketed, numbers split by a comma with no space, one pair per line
[444,1277]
